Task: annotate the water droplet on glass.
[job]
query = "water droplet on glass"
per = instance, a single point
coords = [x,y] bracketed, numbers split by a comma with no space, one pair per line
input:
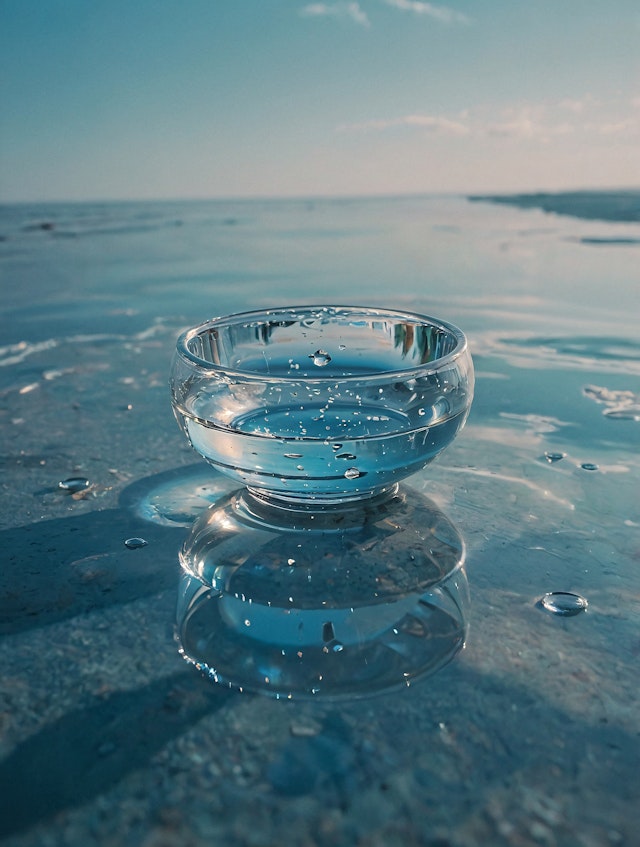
[352,473]
[337,647]
[320,358]
[554,457]
[293,455]
[563,603]
[336,447]
[291,561]
[74,484]
[342,346]
[349,456]
[135,543]
[300,467]
[589,466]
[421,412]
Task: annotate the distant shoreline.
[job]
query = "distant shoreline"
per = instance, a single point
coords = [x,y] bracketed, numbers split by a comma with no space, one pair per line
[613,206]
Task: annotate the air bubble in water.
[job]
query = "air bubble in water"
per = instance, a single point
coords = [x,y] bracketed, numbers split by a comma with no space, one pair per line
[589,466]
[135,543]
[554,457]
[345,456]
[337,647]
[563,603]
[336,447]
[352,473]
[74,484]
[293,455]
[320,358]
[421,412]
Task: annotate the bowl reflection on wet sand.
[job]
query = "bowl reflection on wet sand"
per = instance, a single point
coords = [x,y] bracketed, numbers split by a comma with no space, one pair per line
[341,601]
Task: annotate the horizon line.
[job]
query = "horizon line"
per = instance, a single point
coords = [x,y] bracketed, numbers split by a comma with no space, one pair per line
[312,198]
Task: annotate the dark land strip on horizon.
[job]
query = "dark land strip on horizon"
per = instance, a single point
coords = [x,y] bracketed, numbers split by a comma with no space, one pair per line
[620,206]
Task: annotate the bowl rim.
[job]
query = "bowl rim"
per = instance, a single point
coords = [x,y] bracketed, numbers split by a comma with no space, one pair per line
[203,365]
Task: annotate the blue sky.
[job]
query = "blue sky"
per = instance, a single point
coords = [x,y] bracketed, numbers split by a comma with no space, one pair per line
[107,99]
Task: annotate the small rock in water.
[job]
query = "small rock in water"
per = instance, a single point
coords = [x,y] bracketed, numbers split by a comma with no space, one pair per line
[589,466]
[74,484]
[320,358]
[352,473]
[554,457]
[135,543]
[563,603]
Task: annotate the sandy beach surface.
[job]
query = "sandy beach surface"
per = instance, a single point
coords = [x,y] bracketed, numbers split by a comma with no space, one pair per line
[528,737]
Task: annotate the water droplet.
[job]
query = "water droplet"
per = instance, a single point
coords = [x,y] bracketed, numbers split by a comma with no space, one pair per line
[589,466]
[135,543]
[336,447]
[421,412]
[563,603]
[74,484]
[300,467]
[554,457]
[342,346]
[291,561]
[337,647]
[293,455]
[320,358]
[352,473]
[247,622]
[349,456]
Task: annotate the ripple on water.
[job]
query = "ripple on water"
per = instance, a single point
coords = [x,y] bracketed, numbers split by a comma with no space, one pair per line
[580,353]
[618,405]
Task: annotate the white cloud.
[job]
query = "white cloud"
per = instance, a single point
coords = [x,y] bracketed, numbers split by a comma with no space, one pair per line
[537,123]
[528,123]
[439,13]
[336,10]
[431,123]
[626,126]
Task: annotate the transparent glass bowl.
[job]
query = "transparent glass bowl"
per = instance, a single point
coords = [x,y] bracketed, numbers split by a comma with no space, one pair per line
[321,403]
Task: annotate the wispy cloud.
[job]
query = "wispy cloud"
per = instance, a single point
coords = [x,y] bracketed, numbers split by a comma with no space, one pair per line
[336,10]
[540,123]
[528,122]
[443,14]
[430,123]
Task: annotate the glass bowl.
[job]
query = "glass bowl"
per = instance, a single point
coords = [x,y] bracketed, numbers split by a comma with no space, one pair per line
[321,403]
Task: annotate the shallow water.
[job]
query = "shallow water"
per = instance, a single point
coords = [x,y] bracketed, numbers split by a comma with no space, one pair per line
[528,737]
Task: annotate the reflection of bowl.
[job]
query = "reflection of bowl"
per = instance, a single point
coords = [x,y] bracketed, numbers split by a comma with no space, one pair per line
[345,600]
[321,403]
